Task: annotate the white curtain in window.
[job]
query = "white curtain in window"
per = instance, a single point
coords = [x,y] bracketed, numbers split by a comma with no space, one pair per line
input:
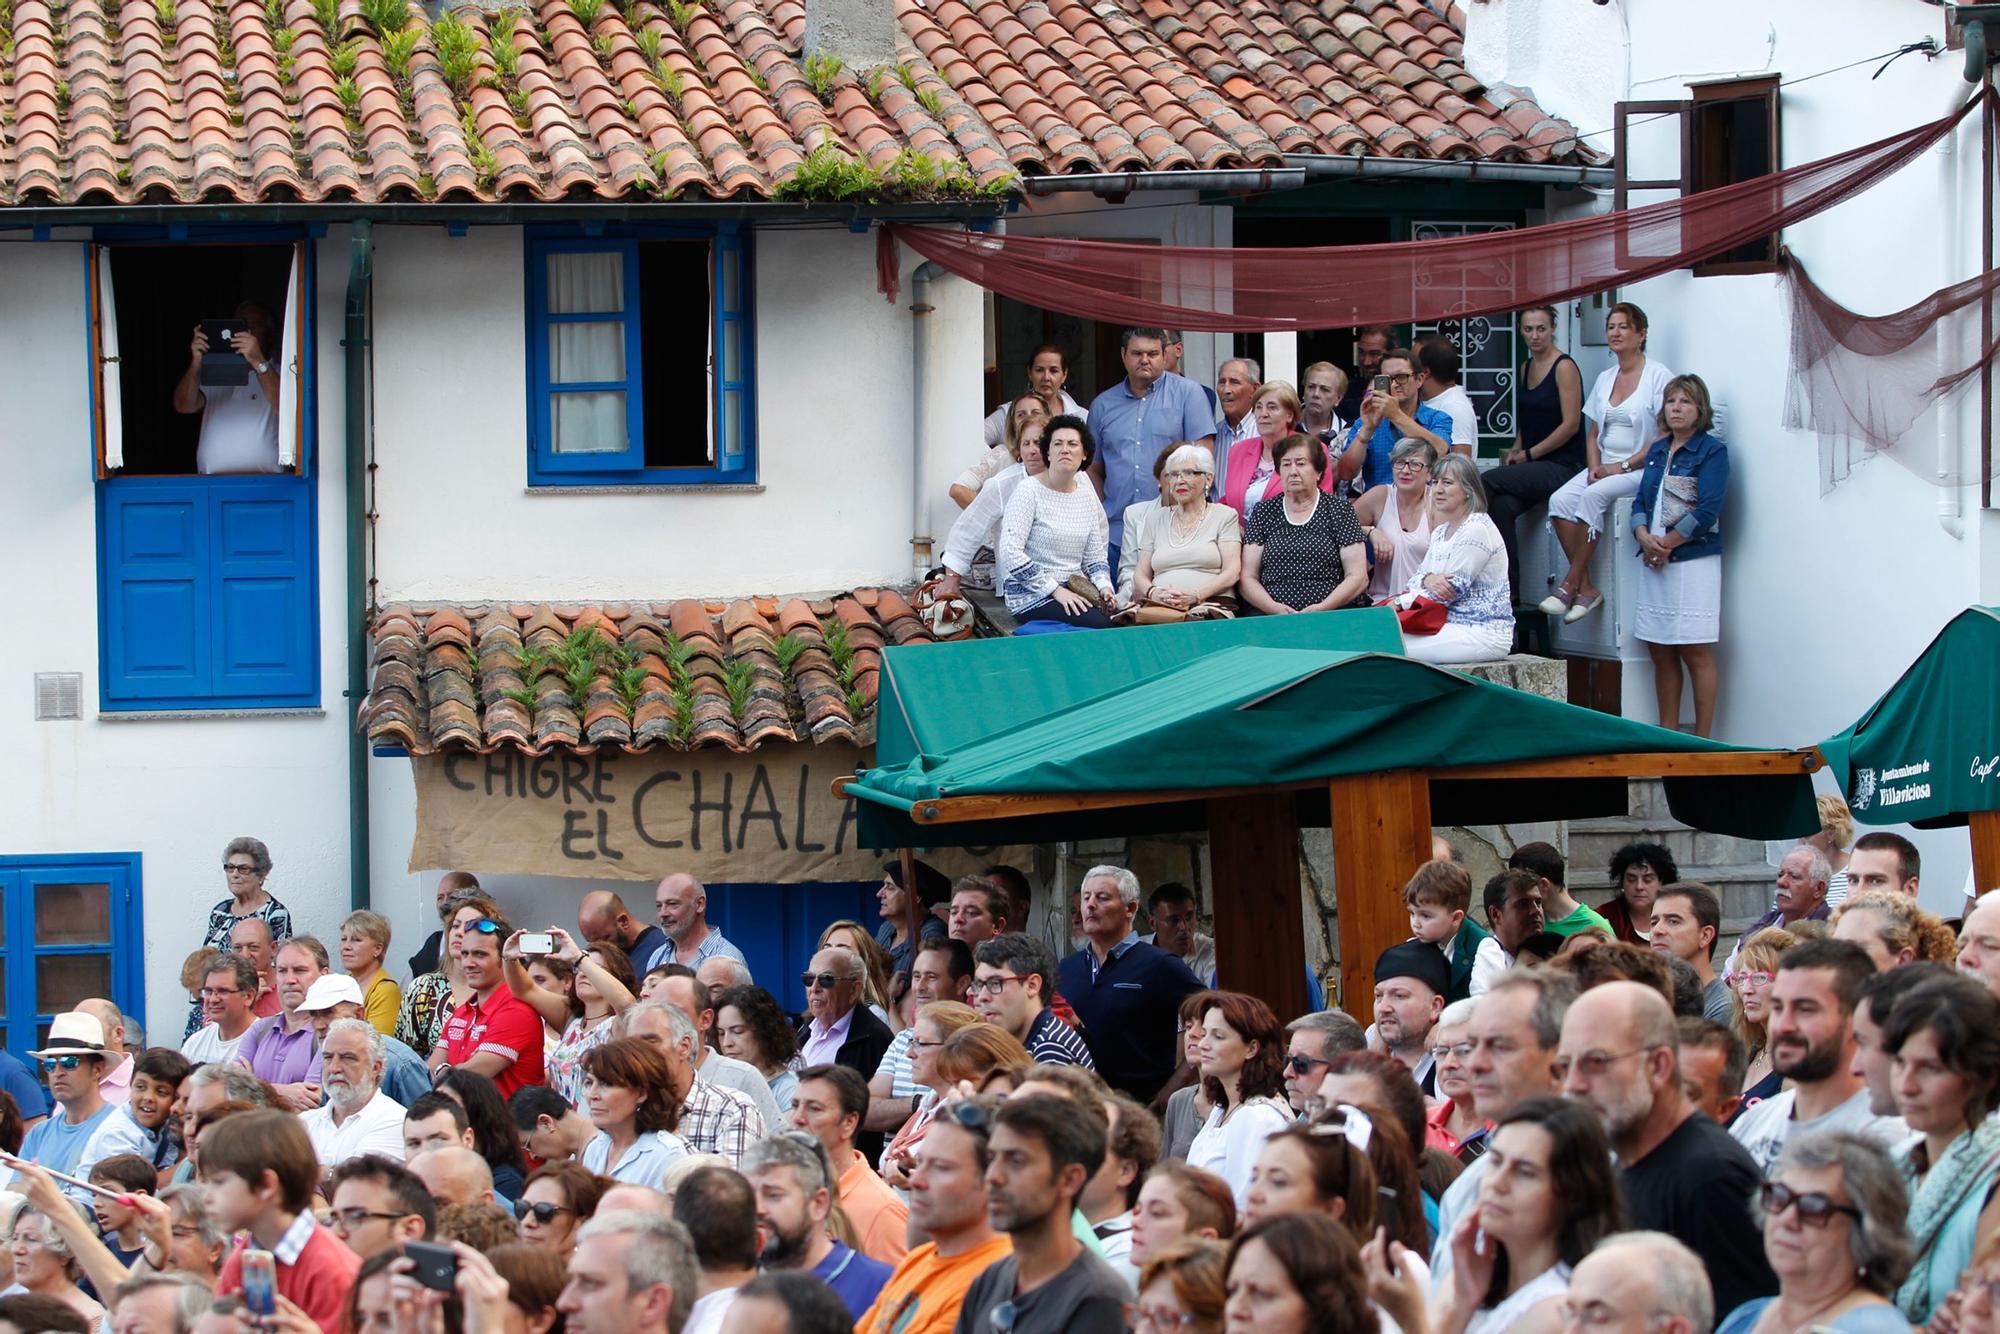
[587,352]
[107,344]
[291,320]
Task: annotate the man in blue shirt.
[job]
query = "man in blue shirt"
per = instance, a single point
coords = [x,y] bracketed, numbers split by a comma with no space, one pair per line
[1135,419]
[1388,417]
[1127,993]
[794,1181]
[16,1079]
[74,1060]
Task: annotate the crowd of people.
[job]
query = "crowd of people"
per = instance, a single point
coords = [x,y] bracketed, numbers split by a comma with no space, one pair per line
[1169,500]
[1560,1119]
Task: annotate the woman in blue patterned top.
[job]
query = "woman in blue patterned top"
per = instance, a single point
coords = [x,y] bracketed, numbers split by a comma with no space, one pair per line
[1466,569]
[1677,517]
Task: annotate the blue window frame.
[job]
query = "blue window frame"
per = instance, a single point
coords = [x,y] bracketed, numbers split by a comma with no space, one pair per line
[71,927]
[619,342]
[208,586]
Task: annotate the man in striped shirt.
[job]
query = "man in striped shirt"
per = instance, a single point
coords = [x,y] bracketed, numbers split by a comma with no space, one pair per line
[1013,980]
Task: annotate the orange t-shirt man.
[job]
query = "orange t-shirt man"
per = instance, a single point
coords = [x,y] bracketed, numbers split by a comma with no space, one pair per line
[924,1294]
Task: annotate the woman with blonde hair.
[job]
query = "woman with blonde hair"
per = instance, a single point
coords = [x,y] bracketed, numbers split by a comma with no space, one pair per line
[364,943]
[1191,553]
[1894,930]
[874,963]
[1836,832]
[1181,1290]
[1250,473]
[1027,408]
[968,1056]
[935,1025]
[1749,983]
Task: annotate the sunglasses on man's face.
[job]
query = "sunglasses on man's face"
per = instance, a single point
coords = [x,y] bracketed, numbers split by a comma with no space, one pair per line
[61,1062]
[1299,1065]
[825,981]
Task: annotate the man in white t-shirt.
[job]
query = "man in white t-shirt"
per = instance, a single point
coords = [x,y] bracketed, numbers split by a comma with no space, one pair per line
[1811,1033]
[228,990]
[1438,387]
[239,423]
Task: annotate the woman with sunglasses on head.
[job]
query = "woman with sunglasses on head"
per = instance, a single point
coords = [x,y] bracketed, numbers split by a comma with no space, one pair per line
[431,997]
[1834,1213]
[627,1095]
[1749,981]
[601,986]
[558,1199]
[1549,1194]
[1181,1290]
[1943,1040]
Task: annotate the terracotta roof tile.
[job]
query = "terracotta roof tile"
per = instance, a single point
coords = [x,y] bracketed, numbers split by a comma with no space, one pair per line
[108,102]
[737,674]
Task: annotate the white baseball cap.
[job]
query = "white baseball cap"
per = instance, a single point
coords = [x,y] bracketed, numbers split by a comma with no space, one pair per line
[329,990]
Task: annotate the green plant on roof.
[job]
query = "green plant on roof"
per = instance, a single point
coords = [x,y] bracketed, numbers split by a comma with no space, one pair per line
[671,83]
[878,79]
[682,731]
[857,704]
[518,102]
[829,173]
[603,45]
[326,13]
[757,77]
[457,47]
[838,648]
[521,695]
[629,682]
[531,662]
[506,56]
[349,93]
[822,71]
[586,11]
[484,164]
[788,648]
[738,675]
[386,16]
[680,13]
[648,40]
[274,13]
[677,652]
[282,40]
[344,58]
[399,49]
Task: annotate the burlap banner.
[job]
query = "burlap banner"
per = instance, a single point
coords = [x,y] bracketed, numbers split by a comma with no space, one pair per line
[769,817]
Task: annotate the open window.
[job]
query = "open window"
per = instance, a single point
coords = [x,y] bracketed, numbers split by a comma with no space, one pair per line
[207,576]
[1726,132]
[640,359]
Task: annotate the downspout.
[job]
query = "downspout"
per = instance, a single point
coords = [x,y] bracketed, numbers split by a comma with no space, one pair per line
[355,342]
[920,392]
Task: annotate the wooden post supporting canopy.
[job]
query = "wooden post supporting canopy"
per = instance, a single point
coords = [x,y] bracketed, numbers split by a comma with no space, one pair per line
[912,905]
[1381,833]
[1260,934]
[1985,826]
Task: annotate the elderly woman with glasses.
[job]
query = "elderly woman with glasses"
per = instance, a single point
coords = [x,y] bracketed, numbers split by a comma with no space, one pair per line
[1834,1213]
[245,864]
[1191,553]
[1302,548]
[1396,518]
[1465,569]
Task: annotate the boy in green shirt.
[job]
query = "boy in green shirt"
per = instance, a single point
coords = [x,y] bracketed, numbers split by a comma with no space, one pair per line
[1565,915]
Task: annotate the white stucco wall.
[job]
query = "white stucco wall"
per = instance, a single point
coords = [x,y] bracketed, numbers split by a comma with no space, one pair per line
[173,791]
[1826,598]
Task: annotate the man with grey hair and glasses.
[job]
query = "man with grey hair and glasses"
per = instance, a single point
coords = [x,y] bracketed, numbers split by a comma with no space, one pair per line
[1316,1039]
[1127,994]
[1640,1283]
[358,1116]
[631,1273]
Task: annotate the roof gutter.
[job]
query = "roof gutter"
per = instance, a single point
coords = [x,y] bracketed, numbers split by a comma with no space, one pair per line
[1318,166]
[1115,185]
[478,214]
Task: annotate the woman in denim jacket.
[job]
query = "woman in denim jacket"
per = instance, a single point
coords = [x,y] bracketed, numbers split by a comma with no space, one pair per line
[1677,517]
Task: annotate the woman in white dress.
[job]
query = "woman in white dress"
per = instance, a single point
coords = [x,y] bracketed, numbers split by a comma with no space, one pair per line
[1242,1068]
[1465,567]
[1548,1195]
[1624,411]
[1677,517]
[1396,519]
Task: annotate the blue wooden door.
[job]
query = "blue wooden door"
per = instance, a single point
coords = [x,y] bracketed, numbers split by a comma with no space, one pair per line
[154,571]
[264,624]
[70,929]
[778,926]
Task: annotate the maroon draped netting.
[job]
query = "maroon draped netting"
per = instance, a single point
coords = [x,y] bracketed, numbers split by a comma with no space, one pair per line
[1860,382]
[1333,287]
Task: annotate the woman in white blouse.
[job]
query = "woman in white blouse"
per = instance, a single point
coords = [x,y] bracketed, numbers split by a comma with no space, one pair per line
[1242,1070]
[1465,568]
[1624,412]
[1054,531]
[1193,551]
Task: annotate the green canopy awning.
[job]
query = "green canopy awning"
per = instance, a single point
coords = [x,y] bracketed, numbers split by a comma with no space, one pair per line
[1928,751]
[1265,703]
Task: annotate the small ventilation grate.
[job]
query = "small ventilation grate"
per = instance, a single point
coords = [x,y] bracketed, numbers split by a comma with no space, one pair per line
[58,696]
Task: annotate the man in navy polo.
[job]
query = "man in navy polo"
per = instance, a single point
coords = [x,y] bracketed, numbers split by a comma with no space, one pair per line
[1126,993]
[1136,418]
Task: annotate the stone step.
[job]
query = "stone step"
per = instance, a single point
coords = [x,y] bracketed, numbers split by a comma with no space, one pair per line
[1592,843]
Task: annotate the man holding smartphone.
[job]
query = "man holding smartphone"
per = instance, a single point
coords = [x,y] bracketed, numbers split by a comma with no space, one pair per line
[239,423]
[1390,412]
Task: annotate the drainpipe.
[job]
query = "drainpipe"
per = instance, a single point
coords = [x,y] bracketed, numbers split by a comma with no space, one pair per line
[355,341]
[920,392]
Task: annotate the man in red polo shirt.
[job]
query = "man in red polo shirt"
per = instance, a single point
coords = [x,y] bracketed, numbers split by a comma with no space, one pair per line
[495,1034]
